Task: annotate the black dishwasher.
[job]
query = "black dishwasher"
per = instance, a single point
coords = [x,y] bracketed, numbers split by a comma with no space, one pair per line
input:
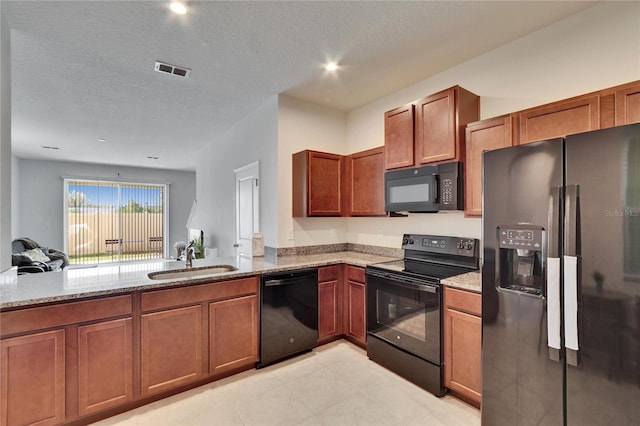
[288,314]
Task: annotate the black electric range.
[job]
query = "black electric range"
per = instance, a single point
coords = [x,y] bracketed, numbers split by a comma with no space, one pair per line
[404,305]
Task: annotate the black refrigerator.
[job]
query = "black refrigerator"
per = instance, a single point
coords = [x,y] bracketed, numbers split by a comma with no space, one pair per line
[561,281]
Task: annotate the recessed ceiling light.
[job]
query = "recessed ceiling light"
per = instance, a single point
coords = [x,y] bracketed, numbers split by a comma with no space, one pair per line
[102,140]
[331,66]
[178,7]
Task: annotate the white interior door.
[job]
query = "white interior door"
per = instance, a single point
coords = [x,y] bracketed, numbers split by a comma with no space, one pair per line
[247,207]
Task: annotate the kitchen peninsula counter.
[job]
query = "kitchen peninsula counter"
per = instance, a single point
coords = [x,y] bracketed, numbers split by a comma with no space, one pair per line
[111,280]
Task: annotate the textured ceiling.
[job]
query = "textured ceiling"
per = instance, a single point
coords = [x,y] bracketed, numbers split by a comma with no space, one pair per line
[82,71]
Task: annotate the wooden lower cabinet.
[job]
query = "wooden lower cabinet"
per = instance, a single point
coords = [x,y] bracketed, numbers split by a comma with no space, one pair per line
[171,348]
[355,321]
[462,337]
[33,370]
[105,359]
[329,302]
[233,334]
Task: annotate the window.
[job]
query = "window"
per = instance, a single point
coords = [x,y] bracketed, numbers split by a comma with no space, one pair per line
[114,222]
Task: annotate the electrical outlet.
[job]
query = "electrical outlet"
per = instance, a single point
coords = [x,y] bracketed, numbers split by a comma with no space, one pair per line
[290,234]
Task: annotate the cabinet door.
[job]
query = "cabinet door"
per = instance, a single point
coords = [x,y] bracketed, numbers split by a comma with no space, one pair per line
[171,348]
[462,335]
[485,135]
[436,128]
[324,184]
[105,369]
[398,137]
[440,121]
[355,321]
[329,302]
[33,379]
[316,184]
[559,119]
[462,353]
[627,105]
[366,183]
[233,333]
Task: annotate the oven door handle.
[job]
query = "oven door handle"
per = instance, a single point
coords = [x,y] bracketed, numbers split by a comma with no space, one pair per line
[406,282]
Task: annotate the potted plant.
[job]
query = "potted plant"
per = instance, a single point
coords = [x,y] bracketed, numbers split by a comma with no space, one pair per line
[199,246]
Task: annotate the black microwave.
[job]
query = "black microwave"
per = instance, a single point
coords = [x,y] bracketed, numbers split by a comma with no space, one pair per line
[425,189]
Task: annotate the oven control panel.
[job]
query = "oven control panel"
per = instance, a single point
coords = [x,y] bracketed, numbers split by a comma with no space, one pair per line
[441,244]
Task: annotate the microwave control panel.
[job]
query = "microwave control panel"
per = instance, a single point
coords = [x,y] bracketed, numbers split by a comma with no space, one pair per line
[447,191]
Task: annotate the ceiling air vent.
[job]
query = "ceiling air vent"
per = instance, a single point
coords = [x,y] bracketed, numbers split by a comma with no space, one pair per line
[172,69]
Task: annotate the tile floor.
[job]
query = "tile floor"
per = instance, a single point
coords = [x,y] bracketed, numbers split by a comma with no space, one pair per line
[336,384]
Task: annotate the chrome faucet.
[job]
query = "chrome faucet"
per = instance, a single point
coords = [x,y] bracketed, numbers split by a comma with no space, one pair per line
[190,252]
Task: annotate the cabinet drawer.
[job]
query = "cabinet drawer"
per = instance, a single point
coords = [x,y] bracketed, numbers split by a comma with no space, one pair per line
[30,319]
[328,273]
[162,299]
[462,300]
[355,273]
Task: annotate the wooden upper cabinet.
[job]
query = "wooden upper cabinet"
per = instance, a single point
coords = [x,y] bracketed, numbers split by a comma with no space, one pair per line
[439,125]
[481,136]
[627,105]
[316,181]
[364,183]
[398,137]
[575,115]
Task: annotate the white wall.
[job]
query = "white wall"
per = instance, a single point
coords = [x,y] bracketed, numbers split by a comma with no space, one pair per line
[254,138]
[15,196]
[5,145]
[302,125]
[592,50]
[41,191]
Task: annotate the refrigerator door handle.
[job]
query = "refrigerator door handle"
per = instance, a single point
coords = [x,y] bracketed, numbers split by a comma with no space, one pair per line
[553,274]
[571,309]
[553,225]
[553,307]
[570,267]
[571,219]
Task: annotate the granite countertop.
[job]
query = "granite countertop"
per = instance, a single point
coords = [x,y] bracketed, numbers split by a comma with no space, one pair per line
[107,280]
[471,281]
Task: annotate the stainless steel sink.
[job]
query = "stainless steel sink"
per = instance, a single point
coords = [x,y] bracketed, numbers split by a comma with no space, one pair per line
[191,272]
